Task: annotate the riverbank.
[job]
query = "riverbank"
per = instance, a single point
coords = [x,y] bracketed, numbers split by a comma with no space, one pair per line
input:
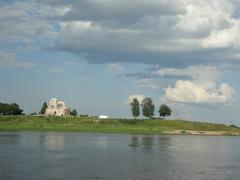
[90,124]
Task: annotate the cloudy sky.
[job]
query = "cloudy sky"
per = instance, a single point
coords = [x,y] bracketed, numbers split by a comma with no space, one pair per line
[98,54]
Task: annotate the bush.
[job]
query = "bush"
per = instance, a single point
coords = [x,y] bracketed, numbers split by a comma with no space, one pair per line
[83,115]
[233,126]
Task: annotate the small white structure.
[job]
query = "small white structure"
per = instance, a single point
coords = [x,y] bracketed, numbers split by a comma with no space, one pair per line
[57,108]
[103,117]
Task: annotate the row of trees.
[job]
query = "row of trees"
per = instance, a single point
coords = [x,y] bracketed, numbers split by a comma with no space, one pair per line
[45,106]
[148,108]
[10,109]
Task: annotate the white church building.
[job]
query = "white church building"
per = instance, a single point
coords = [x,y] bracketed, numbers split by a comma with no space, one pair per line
[57,108]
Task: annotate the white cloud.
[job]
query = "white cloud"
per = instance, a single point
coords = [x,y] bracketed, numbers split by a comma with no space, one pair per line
[229,37]
[227,91]
[204,15]
[53,12]
[192,20]
[186,91]
[156,31]
[115,68]
[180,31]
[75,26]
[9,60]
[140,98]
[166,32]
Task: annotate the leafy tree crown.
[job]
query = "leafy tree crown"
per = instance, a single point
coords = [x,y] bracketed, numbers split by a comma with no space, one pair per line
[148,107]
[164,111]
[73,112]
[135,107]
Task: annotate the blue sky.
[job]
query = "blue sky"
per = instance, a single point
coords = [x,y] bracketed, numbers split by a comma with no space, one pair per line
[97,55]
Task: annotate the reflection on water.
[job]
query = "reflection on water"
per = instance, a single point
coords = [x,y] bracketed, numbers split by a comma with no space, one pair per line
[27,155]
[134,142]
[54,141]
[8,138]
[145,142]
[102,142]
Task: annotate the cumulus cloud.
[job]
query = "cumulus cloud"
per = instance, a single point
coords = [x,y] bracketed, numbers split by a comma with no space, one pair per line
[171,33]
[158,78]
[184,32]
[223,38]
[189,92]
[206,15]
[115,68]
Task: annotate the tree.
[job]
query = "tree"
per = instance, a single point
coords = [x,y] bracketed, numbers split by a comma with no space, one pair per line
[10,109]
[164,111]
[4,109]
[135,107]
[73,112]
[15,110]
[148,107]
[44,107]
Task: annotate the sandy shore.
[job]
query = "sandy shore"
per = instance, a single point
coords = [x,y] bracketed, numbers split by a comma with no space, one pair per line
[204,133]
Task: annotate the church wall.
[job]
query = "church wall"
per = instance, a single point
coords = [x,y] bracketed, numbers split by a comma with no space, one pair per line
[57,108]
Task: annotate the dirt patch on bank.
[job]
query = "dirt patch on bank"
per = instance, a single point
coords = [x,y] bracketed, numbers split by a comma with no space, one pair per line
[204,133]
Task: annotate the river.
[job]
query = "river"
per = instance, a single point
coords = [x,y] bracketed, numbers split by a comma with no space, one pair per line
[87,156]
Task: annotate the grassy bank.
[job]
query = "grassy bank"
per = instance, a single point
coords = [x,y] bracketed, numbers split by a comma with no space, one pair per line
[83,124]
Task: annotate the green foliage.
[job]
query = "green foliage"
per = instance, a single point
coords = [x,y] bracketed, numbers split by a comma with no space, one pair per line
[164,111]
[44,107]
[233,126]
[83,115]
[135,107]
[148,107]
[34,114]
[73,112]
[10,109]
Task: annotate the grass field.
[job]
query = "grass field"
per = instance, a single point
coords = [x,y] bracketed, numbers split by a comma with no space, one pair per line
[89,124]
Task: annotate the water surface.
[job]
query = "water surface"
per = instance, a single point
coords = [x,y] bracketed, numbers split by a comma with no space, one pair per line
[48,155]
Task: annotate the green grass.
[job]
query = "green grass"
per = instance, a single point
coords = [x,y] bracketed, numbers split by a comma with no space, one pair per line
[84,124]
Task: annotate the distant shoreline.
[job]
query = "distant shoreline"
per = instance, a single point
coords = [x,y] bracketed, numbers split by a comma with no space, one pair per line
[124,126]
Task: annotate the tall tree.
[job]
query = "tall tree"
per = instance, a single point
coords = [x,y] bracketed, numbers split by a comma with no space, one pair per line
[148,107]
[44,107]
[73,112]
[164,111]
[135,107]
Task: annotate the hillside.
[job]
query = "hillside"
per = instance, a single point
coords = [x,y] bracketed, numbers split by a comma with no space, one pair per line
[89,124]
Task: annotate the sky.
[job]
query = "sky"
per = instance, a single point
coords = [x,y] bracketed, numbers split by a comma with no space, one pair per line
[97,55]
